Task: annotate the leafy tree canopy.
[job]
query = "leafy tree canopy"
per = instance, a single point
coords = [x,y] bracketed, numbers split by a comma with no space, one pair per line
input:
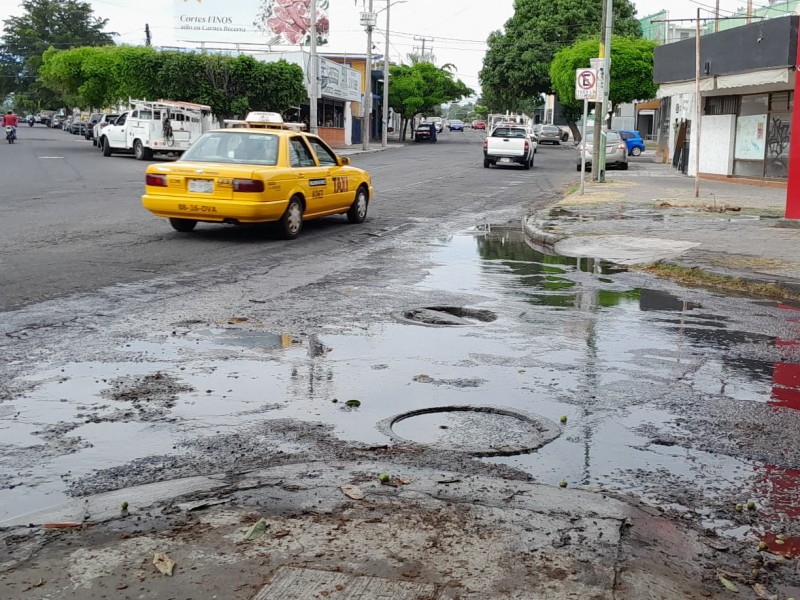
[103,77]
[516,66]
[61,24]
[421,88]
[631,71]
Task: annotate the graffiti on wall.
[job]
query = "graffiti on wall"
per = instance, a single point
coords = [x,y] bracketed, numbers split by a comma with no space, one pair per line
[780,130]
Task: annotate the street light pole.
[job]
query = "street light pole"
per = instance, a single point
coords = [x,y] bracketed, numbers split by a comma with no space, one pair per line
[385,115]
[368,86]
[312,97]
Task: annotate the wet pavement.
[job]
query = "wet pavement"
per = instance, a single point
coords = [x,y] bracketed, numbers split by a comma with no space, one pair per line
[476,359]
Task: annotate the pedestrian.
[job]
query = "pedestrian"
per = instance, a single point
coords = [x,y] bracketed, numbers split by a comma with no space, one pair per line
[433,132]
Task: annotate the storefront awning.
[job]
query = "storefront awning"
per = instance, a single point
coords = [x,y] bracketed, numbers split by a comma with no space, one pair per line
[767,77]
[684,87]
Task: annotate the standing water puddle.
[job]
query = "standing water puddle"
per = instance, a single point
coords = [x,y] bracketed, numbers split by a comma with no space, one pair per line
[685,399]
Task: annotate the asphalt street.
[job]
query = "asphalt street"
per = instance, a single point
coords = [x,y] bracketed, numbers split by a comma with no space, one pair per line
[72,220]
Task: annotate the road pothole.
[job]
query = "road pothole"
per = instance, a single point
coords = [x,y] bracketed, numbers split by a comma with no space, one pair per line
[445,316]
[476,430]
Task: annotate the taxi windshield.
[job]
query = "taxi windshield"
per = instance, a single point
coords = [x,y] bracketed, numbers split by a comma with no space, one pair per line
[236,147]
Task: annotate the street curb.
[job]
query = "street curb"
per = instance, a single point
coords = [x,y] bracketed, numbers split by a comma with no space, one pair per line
[372,151]
[534,228]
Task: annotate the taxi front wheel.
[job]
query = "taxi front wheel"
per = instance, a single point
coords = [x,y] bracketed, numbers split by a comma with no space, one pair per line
[358,210]
[292,220]
[183,225]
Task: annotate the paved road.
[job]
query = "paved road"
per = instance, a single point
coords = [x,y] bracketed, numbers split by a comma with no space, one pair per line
[72,221]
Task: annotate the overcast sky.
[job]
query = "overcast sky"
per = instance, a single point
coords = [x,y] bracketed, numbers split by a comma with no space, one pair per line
[459,28]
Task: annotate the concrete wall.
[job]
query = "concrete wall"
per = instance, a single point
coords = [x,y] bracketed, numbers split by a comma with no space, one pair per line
[717,137]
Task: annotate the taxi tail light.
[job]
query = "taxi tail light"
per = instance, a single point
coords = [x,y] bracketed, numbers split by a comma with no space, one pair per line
[248,185]
[155,180]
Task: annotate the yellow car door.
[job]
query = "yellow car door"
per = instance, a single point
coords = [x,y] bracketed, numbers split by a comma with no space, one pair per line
[343,191]
[316,185]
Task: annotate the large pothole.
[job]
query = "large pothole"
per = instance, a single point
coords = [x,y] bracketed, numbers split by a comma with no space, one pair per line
[445,316]
[476,430]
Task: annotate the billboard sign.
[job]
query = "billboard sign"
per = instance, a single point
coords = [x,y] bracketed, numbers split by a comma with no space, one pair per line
[271,22]
[339,81]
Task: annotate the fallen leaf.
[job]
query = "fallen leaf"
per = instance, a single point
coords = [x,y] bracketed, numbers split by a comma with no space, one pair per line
[234,320]
[353,492]
[281,534]
[729,584]
[761,591]
[258,529]
[163,563]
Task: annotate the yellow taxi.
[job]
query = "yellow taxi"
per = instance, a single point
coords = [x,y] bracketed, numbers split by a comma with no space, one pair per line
[255,171]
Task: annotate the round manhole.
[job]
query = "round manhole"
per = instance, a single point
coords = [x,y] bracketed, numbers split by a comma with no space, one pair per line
[445,316]
[476,430]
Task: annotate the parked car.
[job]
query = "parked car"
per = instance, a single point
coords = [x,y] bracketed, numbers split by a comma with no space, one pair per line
[94,118]
[633,141]
[77,127]
[57,121]
[423,133]
[479,125]
[456,125]
[257,175]
[97,129]
[508,144]
[550,134]
[616,151]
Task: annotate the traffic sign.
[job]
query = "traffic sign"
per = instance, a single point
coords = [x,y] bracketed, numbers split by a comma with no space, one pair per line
[586,84]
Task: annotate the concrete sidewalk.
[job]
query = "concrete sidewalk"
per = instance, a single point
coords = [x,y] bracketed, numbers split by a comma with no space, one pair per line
[649,214]
[373,147]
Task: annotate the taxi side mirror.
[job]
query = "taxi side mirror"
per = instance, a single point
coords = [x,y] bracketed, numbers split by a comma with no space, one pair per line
[343,161]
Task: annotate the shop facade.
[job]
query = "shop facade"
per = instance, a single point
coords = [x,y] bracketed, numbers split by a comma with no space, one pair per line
[747,97]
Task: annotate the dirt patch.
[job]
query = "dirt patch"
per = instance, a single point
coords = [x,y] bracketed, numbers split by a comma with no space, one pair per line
[150,396]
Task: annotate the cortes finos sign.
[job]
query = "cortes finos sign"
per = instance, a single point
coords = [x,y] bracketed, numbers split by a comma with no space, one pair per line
[271,22]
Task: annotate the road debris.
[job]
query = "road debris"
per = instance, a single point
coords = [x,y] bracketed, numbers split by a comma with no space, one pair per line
[258,529]
[164,563]
[353,492]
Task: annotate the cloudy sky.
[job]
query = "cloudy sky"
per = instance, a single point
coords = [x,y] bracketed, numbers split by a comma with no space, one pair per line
[459,28]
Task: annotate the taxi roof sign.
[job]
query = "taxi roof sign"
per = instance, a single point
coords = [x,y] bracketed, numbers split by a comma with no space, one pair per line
[264,117]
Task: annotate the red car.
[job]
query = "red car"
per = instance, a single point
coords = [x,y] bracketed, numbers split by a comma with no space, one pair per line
[479,125]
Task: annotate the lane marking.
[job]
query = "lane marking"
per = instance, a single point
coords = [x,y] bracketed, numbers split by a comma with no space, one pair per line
[42,157]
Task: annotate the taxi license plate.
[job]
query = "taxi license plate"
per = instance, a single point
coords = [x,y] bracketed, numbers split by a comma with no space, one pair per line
[201,186]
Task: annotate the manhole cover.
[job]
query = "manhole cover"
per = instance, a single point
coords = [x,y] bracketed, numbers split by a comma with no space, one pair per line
[476,430]
[445,316]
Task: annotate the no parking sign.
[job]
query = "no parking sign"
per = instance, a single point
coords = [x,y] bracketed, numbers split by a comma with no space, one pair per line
[586,84]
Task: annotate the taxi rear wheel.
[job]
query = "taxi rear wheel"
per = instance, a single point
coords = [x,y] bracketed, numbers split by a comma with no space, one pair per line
[358,210]
[292,220]
[183,225]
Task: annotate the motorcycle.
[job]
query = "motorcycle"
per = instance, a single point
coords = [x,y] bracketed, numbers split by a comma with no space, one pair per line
[10,134]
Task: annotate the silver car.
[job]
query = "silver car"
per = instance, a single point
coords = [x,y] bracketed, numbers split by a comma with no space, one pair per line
[551,134]
[616,151]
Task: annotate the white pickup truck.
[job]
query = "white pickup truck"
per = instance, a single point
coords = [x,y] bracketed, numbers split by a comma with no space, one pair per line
[508,144]
[150,127]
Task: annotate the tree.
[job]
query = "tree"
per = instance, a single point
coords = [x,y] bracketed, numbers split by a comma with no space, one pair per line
[516,66]
[422,88]
[631,71]
[106,76]
[61,24]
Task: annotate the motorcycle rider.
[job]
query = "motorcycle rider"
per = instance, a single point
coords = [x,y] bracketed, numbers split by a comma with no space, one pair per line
[10,120]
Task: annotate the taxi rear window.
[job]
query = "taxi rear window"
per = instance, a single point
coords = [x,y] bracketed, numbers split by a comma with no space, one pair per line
[235,148]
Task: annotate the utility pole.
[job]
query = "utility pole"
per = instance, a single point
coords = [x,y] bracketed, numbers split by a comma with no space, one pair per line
[716,18]
[385,112]
[600,108]
[147,38]
[314,72]
[749,11]
[369,21]
[423,39]
[698,108]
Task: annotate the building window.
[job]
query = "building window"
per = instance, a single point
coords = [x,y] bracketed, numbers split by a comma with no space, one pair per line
[723,105]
